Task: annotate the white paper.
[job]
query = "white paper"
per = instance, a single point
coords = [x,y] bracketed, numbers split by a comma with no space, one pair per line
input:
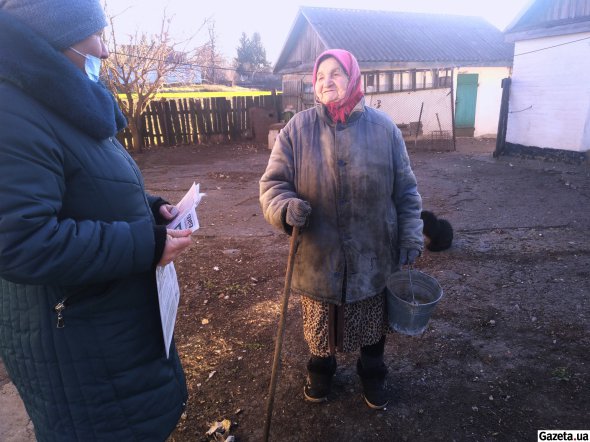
[187,213]
[168,296]
[168,289]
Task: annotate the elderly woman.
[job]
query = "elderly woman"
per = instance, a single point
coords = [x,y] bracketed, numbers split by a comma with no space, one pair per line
[80,330]
[341,172]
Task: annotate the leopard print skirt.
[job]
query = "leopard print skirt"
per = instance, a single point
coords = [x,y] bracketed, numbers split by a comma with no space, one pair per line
[363,323]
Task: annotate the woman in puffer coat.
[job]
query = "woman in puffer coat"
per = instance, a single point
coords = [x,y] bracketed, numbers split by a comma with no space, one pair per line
[341,172]
[80,331]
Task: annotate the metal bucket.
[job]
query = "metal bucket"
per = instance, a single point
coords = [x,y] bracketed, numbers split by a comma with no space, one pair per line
[411,299]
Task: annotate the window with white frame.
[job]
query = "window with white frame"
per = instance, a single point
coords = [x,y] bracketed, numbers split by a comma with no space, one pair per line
[444,78]
[385,84]
[410,80]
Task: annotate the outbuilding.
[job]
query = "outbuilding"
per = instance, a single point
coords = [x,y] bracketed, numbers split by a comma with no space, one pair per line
[548,111]
[436,75]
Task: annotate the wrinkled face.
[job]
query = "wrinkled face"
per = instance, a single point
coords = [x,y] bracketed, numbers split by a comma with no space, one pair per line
[331,81]
[92,45]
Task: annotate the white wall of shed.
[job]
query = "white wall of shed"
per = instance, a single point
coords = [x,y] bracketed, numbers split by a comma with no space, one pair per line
[550,94]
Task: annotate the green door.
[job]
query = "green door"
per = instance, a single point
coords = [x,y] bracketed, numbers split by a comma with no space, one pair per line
[466,99]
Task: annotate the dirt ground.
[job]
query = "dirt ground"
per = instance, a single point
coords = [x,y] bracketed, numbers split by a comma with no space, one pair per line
[507,349]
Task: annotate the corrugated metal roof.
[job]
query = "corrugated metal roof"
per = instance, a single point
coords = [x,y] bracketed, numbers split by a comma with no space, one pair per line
[550,17]
[375,36]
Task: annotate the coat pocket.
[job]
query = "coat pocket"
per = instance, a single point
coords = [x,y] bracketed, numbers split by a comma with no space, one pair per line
[76,296]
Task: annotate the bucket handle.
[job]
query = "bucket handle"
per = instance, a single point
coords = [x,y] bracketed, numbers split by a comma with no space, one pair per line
[410,268]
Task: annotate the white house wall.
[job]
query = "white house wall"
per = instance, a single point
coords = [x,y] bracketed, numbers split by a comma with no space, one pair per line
[550,94]
[489,97]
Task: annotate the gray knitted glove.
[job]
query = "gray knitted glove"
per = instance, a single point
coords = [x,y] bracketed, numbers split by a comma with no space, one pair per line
[408,256]
[297,212]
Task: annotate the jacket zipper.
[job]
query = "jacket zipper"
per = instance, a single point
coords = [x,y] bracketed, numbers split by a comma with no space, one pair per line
[59,308]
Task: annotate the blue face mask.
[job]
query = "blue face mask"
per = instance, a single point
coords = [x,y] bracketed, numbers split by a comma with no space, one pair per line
[91,65]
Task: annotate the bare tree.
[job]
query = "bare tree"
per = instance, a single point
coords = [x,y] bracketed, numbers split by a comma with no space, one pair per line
[213,63]
[137,69]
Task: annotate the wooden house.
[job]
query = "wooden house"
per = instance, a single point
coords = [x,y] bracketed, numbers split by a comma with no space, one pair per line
[432,73]
[548,112]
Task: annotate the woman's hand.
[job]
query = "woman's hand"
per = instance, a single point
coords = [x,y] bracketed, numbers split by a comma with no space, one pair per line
[168,211]
[298,212]
[408,256]
[176,242]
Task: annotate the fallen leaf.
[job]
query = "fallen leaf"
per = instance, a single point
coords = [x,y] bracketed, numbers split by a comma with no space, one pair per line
[219,427]
[215,426]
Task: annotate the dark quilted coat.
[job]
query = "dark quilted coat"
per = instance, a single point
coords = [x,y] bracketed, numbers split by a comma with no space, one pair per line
[77,227]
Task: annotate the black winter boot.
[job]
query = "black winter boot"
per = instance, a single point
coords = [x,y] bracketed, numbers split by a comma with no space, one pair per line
[372,372]
[319,378]
[373,381]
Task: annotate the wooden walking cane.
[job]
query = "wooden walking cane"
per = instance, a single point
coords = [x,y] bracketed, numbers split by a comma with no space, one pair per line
[279,343]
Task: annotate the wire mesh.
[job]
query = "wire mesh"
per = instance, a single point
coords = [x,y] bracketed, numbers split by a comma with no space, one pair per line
[425,117]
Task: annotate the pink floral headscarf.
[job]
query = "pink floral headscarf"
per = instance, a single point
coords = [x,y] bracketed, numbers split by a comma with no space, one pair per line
[341,109]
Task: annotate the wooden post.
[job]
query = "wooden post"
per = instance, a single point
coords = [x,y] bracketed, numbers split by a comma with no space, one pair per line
[163,115]
[193,119]
[453,109]
[207,115]
[149,132]
[243,114]
[225,111]
[185,123]
[418,127]
[276,105]
[233,121]
[239,116]
[176,135]
[249,104]
[439,126]
[180,115]
[503,118]
[157,122]
[200,121]
[216,105]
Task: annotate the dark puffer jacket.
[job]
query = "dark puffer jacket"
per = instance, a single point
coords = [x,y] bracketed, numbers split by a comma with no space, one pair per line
[76,227]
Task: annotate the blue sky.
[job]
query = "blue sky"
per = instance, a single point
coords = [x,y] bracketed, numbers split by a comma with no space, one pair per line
[273,19]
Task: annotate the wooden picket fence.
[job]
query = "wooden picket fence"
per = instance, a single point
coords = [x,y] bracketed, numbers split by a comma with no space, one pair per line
[172,122]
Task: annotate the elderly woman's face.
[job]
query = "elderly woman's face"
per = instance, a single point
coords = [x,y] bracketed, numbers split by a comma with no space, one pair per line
[331,81]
